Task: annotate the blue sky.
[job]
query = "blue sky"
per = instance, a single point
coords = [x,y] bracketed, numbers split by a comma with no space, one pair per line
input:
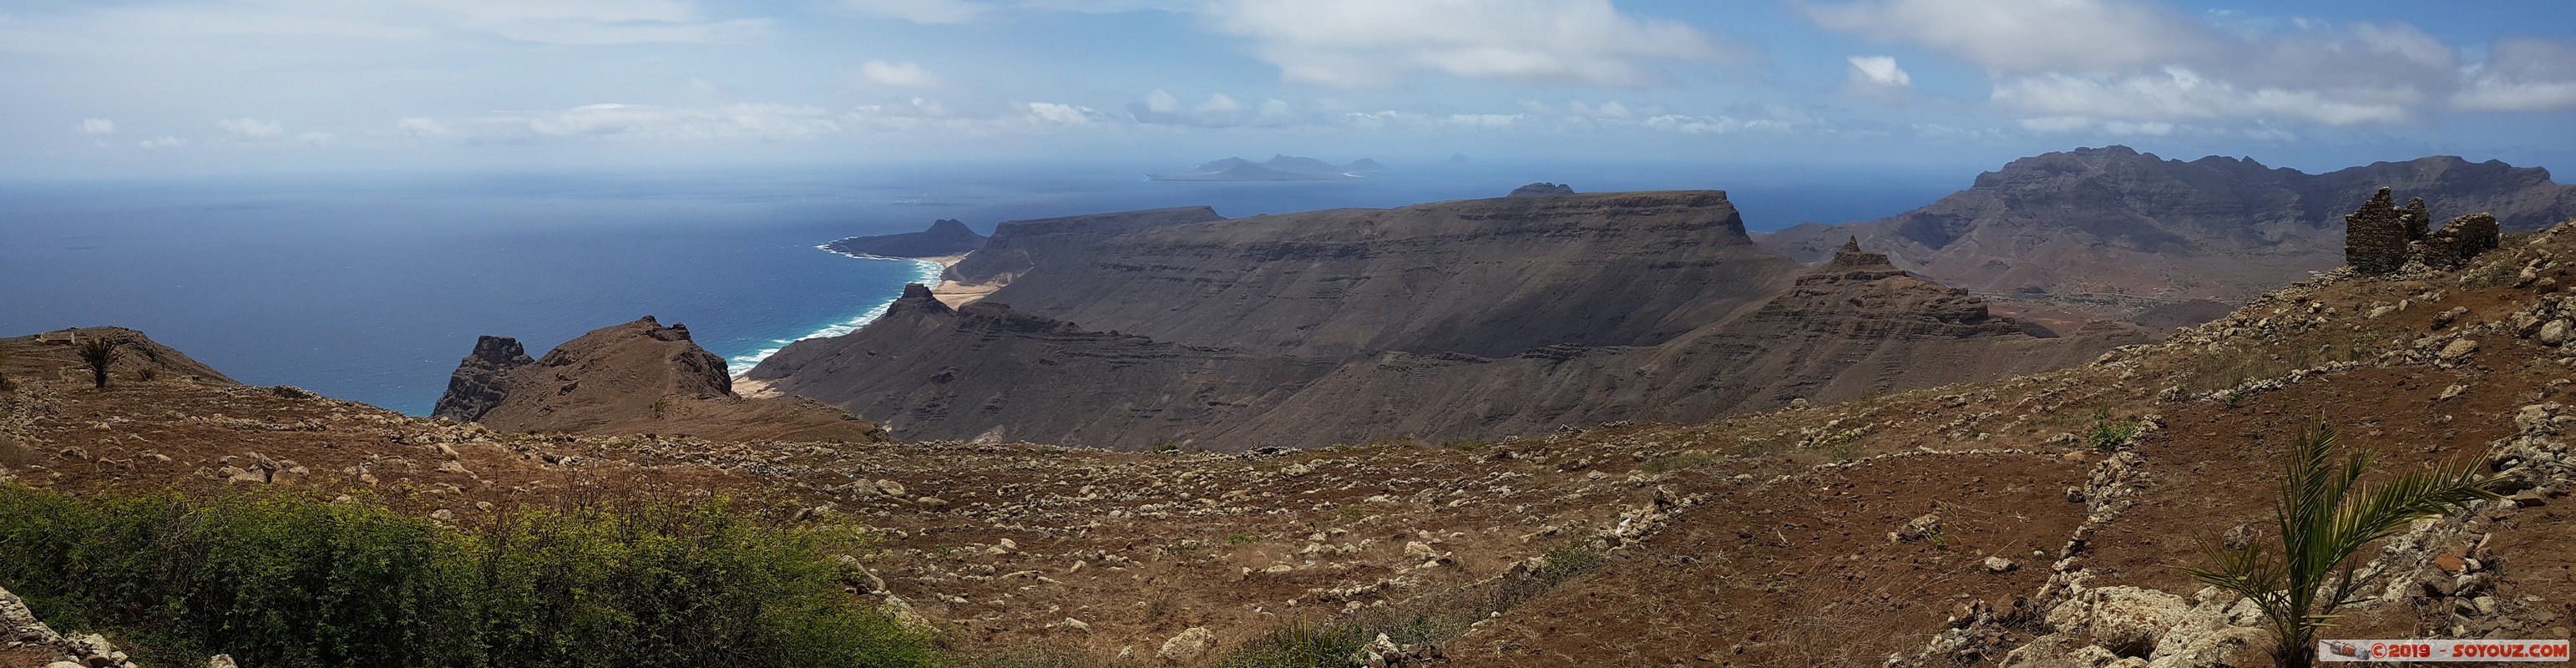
[146,87]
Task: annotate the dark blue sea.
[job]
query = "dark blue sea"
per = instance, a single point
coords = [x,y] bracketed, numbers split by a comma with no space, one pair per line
[371,286]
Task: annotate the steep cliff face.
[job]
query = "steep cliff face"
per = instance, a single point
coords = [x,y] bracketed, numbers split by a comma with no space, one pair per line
[985,371]
[944,238]
[1020,246]
[479,382]
[1488,277]
[1455,320]
[2110,232]
[636,378]
[1835,335]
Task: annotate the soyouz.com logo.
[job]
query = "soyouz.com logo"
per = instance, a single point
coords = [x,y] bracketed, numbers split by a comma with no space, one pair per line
[2442,650]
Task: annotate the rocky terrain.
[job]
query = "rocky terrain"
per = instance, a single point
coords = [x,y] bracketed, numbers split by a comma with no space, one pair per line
[2107,233]
[944,238]
[2029,522]
[637,378]
[1465,320]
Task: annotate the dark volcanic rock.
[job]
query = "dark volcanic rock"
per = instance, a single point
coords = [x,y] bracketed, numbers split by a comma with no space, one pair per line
[477,385]
[945,237]
[637,378]
[2114,224]
[1541,190]
[1020,246]
[1489,277]
[1475,319]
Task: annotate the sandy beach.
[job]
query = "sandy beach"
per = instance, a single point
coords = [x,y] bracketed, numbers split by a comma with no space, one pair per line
[953,293]
[949,292]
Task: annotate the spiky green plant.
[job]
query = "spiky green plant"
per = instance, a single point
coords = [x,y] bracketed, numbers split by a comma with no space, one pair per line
[2325,518]
[98,354]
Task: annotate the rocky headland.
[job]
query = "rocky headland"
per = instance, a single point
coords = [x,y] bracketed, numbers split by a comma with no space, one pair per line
[1464,320]
[636,378]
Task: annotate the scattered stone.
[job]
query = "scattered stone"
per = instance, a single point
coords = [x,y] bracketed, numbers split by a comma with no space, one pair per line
[2458,350]
[2445,318]
[1189,645]
[1916,529]
[2000,565]
[2554,332]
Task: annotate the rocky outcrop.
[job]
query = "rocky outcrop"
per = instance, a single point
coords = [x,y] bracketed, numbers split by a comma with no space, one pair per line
[477,385]
[1541,190]
[637,378]
[23,636]
[945,237]
[1494,318]
[2108,232]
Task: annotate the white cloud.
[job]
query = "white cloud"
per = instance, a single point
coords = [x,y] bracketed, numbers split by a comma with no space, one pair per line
[161,142]
[2521,75]
[614,122]
[1723,124]
[2140,63]
[594,22]
[422,127]
[1219,103]
[1115,6]
[921,11]
[1060,114]
[646,122]
[1161,102]
[1220,110]
[97,126]
[2027,35]
[905,74]
[2180,93]
[251,129]
[1878,71]
[1369,43]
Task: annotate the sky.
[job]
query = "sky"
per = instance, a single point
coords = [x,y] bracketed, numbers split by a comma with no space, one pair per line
[113,88]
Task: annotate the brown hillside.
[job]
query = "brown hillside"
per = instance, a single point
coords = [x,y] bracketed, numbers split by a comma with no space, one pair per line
[1757,540]
[637,378]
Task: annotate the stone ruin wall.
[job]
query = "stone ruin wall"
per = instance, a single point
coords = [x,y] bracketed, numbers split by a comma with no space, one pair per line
[2381,237]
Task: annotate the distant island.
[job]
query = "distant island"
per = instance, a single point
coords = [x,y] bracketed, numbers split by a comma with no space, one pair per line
[1277,168]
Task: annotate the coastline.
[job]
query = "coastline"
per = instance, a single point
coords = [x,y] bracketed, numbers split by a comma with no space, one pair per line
[933,271]
[953,293]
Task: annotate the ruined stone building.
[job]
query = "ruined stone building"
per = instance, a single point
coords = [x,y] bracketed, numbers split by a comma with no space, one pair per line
[2381,238]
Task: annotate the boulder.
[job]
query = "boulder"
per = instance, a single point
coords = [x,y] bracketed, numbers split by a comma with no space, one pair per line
[1188,646]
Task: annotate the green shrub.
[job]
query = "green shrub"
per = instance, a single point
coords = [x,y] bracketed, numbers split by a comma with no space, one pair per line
[276,580]
[98,354]
[2109,434]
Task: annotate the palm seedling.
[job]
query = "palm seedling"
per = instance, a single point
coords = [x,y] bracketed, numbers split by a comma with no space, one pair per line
[2324,520]
[98,354]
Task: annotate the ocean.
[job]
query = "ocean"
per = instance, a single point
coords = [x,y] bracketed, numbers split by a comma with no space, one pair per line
[370,287]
